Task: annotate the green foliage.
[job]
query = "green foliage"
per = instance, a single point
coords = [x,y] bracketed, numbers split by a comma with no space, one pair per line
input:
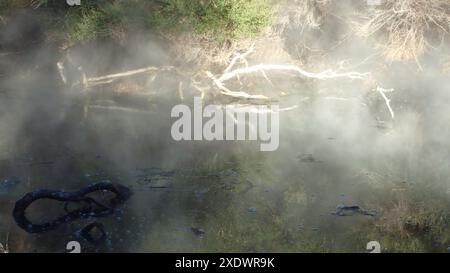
[220,18]
[223,18]
[92,20]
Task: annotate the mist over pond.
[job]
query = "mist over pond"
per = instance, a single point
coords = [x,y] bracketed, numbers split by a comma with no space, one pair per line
[345,172]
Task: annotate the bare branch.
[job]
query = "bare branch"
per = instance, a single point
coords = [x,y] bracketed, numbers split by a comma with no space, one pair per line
[244,95]
[235,94]
[328,74]
[119,109]
[240,57]
[110,77]
[382,92]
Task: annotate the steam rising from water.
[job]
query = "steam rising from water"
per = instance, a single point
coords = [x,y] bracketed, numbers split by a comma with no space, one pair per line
[355,154]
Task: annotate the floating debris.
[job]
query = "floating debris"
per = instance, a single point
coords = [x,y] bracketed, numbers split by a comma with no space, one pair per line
[8,184]
[154,178]
[343,210]
[251,210]
[153,171]
[198,231]
[308,158]
[383,125]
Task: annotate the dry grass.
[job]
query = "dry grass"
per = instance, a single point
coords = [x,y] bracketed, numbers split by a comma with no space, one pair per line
[404,219]
[4,248]
[310,13]
[413,215]
[410,26]
[201,51]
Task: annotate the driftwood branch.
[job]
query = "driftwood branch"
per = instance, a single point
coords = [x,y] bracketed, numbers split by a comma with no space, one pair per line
[382,92]
[240,57]
[124,74]
[325,75]
[113,77]
[262,68]
[231,73]
[218,82]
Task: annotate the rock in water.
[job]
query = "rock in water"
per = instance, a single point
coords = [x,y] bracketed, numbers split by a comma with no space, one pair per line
[343,210]
[252,210]
[198,231]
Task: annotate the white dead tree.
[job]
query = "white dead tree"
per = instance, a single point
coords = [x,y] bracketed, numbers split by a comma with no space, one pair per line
[383,92]
[237,68]
[231,73]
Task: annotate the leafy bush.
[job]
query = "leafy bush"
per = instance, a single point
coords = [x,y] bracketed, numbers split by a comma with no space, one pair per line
[92,20]
[224,18]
